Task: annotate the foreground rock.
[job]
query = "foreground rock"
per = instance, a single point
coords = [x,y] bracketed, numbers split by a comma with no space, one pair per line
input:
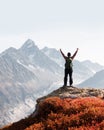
[74,92]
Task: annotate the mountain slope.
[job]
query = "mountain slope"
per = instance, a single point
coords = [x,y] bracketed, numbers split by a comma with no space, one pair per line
[24,75]
[54,55]
[94,67]
[94,81]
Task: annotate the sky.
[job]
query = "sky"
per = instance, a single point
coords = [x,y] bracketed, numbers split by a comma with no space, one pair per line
[65,24]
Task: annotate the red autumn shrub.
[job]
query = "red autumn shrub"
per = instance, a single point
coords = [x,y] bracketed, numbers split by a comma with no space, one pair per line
[65,114]
[71,114]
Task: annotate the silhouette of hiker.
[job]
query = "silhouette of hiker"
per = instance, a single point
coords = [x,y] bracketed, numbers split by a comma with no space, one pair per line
[68,66]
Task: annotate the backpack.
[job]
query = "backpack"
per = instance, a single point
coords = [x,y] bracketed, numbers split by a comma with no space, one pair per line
[68,64]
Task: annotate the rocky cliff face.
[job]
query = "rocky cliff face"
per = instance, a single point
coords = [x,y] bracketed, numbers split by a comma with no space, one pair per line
[66,108]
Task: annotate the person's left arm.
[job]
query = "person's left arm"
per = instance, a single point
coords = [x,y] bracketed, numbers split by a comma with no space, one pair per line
[74,54]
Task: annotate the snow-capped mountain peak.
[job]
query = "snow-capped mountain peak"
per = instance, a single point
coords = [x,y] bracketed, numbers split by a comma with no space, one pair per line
[29,47]
[28,44]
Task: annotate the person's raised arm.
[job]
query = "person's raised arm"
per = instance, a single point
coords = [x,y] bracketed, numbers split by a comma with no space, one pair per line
[74,54]
[63,54]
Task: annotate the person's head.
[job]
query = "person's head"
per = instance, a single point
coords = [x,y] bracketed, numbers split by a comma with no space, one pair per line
[68,54]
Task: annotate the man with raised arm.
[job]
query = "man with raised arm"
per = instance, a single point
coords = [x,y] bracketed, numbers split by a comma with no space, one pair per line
[68,66]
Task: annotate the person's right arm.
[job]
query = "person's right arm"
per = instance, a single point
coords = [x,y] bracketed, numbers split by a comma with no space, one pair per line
[63,54]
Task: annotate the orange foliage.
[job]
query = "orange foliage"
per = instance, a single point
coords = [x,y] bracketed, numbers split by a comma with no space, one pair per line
[66,114]
[70,114]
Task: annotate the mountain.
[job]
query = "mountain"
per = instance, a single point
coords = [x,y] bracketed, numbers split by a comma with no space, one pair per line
[15,86]
[25,74]
[81,72]
[94,67]
[65,108]
[94,81]
[36,57]
[54,55]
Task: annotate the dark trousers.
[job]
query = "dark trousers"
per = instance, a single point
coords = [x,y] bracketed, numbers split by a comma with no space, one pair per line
[68,72]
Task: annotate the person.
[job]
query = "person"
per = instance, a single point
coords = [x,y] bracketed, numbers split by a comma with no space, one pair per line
[68,66]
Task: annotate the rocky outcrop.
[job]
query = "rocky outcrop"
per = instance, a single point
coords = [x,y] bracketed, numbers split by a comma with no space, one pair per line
[74,92]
